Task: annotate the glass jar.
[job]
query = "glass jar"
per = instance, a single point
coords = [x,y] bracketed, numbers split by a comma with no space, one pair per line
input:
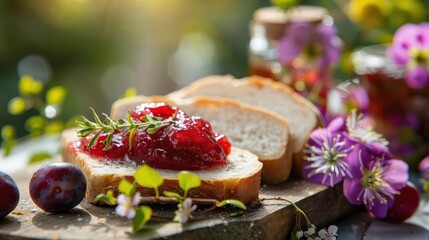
[268,27]
[401,113]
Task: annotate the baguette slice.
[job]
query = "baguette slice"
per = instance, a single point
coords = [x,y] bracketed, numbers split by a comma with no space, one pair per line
[239,179]
[301,115]
[252,128]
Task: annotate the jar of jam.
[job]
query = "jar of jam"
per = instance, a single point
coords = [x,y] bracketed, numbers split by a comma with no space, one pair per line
[269,26]
[400,112]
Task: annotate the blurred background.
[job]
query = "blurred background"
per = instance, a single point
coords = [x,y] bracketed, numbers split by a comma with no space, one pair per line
[97,49]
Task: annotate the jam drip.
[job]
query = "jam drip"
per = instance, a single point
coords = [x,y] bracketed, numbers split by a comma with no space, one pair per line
[188,143]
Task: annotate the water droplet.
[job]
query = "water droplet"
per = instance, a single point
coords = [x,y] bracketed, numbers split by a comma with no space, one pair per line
[25,202]
[33,210]
[80,219]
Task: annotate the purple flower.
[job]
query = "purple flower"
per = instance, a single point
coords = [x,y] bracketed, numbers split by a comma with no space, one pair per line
[375,181]
[325,152]
[410,48]
[424,168]
[311,42]
[361,132]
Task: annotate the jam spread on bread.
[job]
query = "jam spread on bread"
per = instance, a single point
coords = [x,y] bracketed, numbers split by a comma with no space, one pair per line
[187,143]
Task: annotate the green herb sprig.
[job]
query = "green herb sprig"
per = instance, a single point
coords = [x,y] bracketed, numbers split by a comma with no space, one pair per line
[149,123]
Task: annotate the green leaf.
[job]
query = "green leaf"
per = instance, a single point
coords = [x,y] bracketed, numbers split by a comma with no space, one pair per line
[173,195]
[39,156]
[143,215]
[126,187]
[187,181]
[148,177]
[107,198]
[233,202]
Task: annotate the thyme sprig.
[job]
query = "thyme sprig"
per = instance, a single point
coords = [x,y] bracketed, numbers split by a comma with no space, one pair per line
[149,123]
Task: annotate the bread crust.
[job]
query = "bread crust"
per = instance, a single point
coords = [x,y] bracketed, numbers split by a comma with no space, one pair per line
[244,188]
[275,169]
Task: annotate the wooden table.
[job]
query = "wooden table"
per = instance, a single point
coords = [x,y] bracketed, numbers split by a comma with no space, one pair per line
[271,220]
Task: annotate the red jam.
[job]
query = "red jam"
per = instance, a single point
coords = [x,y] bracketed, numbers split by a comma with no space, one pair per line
[188,143]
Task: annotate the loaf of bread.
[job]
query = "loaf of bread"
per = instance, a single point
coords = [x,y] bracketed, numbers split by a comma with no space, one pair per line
[301,115]
[239,179]
[248,127]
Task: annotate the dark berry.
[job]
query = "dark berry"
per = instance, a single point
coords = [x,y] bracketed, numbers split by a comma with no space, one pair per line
[57,187]
[406,204]
[9,194]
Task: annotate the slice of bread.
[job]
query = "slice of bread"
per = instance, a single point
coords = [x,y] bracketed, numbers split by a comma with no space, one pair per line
[239,179]
[300,113]
[248,127]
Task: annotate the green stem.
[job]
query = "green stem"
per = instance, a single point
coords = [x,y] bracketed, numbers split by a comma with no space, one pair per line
[291,203]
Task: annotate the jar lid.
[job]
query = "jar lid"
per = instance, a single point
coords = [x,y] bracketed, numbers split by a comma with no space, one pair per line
[275,19]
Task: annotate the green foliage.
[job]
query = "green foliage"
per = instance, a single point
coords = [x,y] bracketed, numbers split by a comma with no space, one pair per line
[232,202]
[187,181]
[130,92]
[173,195]
[285,4]
[143,215]
[148,177]
[56,95]
[47,118]
[17,106]
[126,187]
[149,123]
[108,198]
[39,157]
[28,86]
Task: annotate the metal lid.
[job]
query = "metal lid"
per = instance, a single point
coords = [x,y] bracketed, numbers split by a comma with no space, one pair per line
[274,19]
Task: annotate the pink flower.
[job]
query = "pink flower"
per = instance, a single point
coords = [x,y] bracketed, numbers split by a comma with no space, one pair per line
[315,43]
[127,205]
[410,48]
[424,168]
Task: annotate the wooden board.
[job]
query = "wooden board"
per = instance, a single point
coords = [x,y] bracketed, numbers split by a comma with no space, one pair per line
[271,220]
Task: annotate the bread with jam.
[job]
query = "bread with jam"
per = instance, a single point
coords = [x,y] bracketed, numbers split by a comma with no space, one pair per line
[181,142]
[248,127]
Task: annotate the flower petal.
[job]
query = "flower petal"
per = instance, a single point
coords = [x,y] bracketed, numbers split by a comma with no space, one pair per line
[121,210]
[379,209]
[417,77]
[337,125]
[353,191]
[333,229]
[396,173]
